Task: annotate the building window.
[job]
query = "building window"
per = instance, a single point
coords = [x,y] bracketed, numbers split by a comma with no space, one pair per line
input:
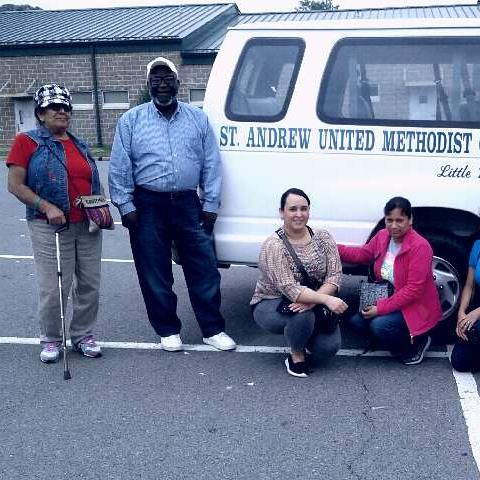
[115,99]
[82,100]
[196,97]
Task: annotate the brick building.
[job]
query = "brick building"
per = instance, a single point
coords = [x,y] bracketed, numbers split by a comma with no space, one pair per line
[101,55]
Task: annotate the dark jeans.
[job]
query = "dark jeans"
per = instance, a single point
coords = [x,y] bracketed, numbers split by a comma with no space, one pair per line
[163,218]
[389,331]
[466,356]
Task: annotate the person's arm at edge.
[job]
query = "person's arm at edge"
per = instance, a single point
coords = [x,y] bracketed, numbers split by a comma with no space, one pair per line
[467,292]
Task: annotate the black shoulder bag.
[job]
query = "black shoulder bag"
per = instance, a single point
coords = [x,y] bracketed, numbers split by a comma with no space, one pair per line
[325,320]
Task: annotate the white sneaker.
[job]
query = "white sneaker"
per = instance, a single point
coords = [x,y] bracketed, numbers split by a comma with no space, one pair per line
[173,343]
[221,341]
[50,352]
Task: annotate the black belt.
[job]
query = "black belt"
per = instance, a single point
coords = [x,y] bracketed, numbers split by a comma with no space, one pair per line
[171,195]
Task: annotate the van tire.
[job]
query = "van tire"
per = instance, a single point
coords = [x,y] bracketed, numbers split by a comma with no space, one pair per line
[449,268]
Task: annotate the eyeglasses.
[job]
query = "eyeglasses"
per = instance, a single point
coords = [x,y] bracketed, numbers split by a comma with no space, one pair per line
[56,107]
[167,79]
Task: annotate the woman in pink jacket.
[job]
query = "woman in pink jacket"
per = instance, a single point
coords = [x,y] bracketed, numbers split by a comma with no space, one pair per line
[401,322]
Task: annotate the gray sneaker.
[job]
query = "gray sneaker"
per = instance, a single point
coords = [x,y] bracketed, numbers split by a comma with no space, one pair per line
[88,347]
[50,352]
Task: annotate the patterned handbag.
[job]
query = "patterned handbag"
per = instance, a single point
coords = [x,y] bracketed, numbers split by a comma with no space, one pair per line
[370,292]
[98,212]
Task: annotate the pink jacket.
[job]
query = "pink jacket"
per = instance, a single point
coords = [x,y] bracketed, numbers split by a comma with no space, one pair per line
[415,292]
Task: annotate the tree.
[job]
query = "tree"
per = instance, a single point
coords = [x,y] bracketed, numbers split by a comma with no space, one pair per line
[308,5]
[8,7]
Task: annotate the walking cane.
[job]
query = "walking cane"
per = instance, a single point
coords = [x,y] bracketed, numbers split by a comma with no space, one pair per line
[66,371]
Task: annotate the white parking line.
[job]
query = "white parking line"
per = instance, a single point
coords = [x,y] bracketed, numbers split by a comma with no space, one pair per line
[30,257]
[470,401]
[207,348]
[106,260]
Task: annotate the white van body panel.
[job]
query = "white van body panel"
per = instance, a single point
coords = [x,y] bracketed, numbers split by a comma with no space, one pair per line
[348,185]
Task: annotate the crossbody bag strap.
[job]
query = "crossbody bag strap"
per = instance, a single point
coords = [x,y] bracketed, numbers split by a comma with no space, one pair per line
[294,256]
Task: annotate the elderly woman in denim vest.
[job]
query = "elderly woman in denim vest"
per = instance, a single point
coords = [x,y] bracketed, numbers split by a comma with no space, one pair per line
[49,168]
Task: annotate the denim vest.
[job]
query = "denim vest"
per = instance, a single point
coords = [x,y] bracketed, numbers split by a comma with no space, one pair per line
[47,174]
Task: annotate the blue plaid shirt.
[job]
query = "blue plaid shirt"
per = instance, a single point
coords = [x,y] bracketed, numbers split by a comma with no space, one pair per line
[164,155]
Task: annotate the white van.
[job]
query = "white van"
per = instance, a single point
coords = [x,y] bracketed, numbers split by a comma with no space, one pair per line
[354,113]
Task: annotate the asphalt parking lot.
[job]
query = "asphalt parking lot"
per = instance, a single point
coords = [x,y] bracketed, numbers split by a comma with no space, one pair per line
[140,412]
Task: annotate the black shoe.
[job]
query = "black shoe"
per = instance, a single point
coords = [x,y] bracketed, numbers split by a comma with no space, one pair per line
[298,369]
[310,363]
[415,353]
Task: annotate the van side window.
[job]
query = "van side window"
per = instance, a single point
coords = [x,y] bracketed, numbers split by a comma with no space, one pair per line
[264,79]
[407,81]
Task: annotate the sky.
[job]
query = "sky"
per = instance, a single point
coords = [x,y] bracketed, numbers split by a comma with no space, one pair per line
[245,6]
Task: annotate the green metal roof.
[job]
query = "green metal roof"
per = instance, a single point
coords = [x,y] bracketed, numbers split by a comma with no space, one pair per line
[200,28]
[212,43]
[54,27]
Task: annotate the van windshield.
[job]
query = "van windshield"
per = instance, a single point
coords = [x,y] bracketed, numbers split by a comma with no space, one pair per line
[414,81]
[264,79]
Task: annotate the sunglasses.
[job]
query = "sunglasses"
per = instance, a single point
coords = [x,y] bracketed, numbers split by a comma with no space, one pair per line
[57,107]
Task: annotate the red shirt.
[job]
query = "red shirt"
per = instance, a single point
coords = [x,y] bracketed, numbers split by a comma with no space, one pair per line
[79,172]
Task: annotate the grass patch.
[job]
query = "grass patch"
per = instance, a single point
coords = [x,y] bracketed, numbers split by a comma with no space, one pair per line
[97,152]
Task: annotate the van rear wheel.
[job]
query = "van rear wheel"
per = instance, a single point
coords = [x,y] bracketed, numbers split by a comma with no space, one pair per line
[448,285]
[449,270]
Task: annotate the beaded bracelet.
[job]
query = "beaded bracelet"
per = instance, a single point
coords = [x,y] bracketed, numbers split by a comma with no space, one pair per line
[37,203]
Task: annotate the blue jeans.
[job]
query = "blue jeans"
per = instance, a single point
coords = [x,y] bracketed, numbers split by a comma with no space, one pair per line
[163,218]
[389,331]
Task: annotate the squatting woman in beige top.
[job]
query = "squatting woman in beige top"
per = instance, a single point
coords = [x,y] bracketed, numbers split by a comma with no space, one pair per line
[281,281]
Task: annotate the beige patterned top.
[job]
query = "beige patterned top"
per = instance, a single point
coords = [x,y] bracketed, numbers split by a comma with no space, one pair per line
[280,276]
